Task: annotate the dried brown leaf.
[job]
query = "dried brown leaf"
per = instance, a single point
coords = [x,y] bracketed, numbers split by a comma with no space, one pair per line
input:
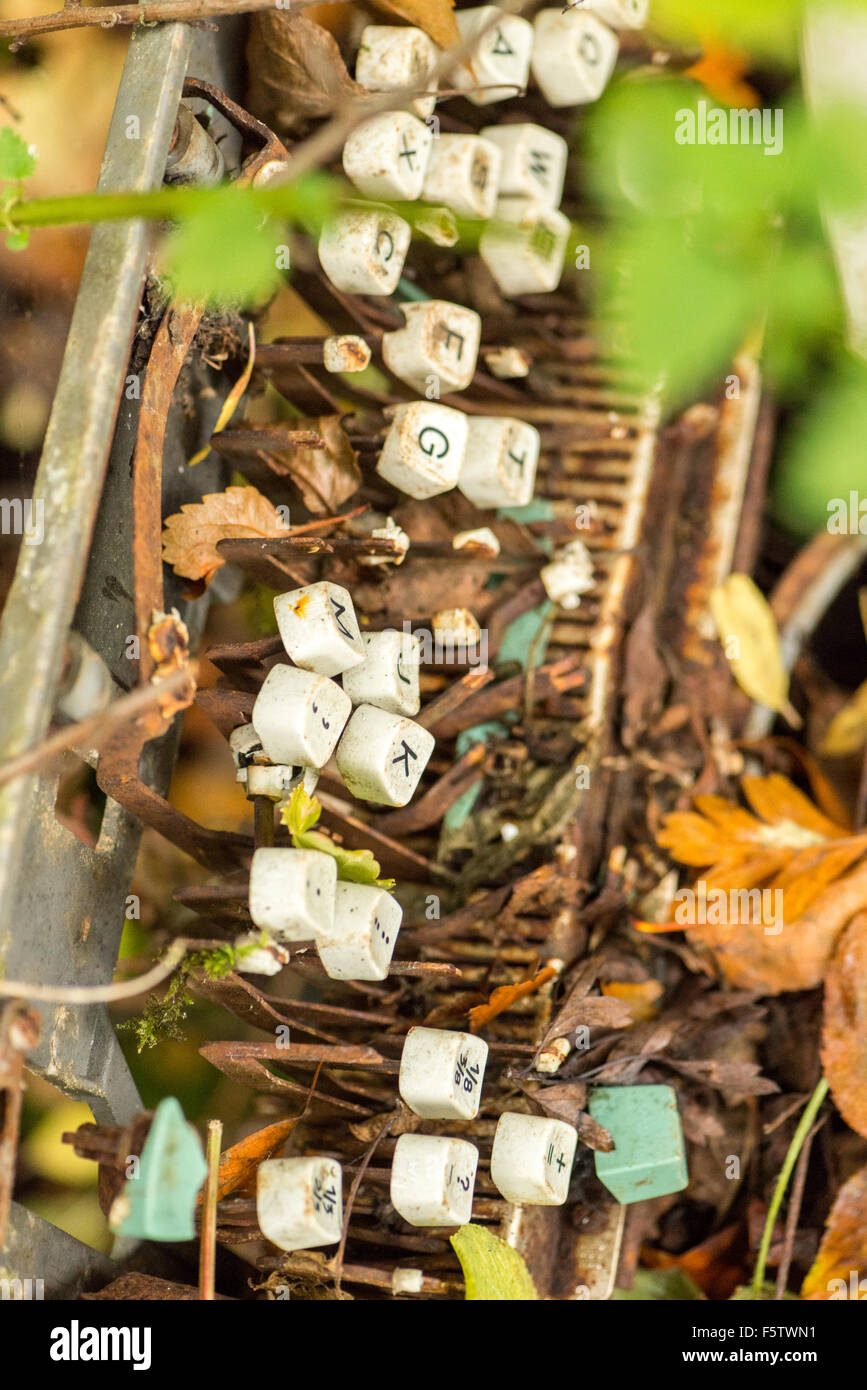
[296,71]
[844,1031]
[841,1264]
[435,17]
[504,996]
[190,536]
[327,476]
[238,1165]
[594,1135]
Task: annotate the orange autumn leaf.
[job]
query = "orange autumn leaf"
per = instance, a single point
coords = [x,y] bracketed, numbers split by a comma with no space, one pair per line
[641,998]
[238,1165]
[841,1265]
[504,996]
[190,536]
[720,70]
[716,1266]
[844,1030]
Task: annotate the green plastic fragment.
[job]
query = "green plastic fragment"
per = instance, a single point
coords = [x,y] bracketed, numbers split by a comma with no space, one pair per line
[518,639]
[648,1159]
[459,810]
[160,1201]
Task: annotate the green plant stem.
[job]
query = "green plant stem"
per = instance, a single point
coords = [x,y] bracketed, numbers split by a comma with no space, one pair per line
[159,204]
[809,1114]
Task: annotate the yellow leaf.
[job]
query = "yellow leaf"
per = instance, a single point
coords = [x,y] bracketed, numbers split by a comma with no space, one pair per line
[748,632]
[847,732]
[842,1259]
[641,998]
[493,1271]
[190,536]
[230,404]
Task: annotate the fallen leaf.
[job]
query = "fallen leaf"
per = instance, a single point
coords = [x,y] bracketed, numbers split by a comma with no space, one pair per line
[847,732]
[190,536]
[296,71]
[326,476]
[716,1265]
[239,1164]
[493,1271]
[748,631]
[641,999]
[841,1264]
[435,17]
[594,1135]
[659,1285]
[505,996]
[230,404]
[844,1030]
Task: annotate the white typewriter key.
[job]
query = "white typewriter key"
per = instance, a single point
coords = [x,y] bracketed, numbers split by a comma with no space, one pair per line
[501,48]
[360,943]
[292,892]
[246,747]
[463,173]
[392,58]
[620,14]
[299,716]
[386,157]
[388,675]
[533,161]
[525,246]
[381,756]
[531,1160]
[299,1202]
[362,250]
[441,1073]
[275,780]
[574,55]
[432,1180]
[423,449]
[499,468]
[319,629]
[438,345]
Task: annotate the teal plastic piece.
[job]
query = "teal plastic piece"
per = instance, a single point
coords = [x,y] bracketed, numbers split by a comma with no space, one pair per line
[648,1159]
[460,810]
[520,635]
[172,1168]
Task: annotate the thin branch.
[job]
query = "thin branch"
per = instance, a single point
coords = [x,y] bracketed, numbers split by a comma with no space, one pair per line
[108,994]
[96,16]
[794,1212]
[96,727]
[208,1243]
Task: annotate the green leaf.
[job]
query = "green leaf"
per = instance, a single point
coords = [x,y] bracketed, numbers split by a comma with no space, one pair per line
[224,252]
[301,812]
[493,1271]
[16,161]
[18,240]
[744,1294]
[660,1285]
[823,457]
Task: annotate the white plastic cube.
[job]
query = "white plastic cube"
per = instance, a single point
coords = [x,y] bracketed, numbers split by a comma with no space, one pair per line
[319,629]
[524,247]
[432,1180]
[424,448]
[573,56]
[360,943]
[501,47]
[362,250]
[299,716]
[299,1202]
[438,346]
[386,156]
[388,675]
[532,1157]
[441,1073]
[463,173]
[620,14]
[532,161]
[292,892]
[499,468]
[392,58]
[382,756]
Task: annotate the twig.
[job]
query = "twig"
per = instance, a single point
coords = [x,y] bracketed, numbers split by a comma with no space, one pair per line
[76,16]
[208,1246]
[356,1183]
[96,727]
[107,994]
[794,1211]
[804,1125]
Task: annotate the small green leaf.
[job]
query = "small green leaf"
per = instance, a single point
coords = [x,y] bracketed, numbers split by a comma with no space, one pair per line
[660,1285]
[224,252]
[16,161]
[744,1294]
[493,1271]
[353,865]
[301,813]
[18,240]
